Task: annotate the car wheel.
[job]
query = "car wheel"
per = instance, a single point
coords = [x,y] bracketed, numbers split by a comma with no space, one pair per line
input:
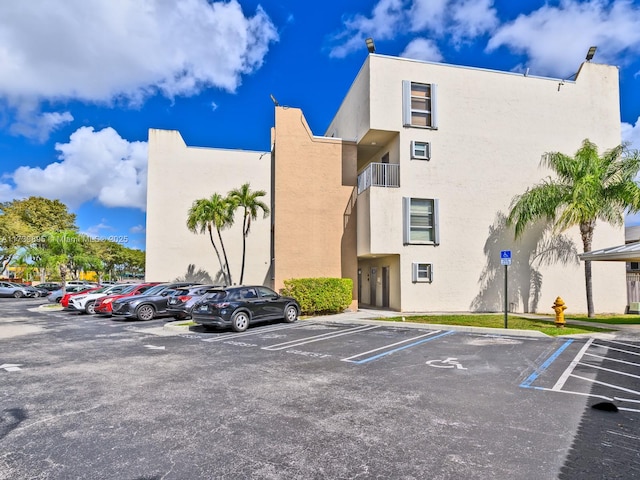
[145,312]
[290,314]
[90,308]
[18,294]
[240,321]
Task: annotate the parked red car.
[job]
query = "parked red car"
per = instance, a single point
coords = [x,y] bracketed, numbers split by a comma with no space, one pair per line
[103,305]
[64,301]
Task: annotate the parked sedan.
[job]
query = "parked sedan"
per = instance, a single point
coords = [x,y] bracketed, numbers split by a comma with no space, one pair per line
[179,304]
[50,286]
[151,304]
[238,307]
[103,305]
[85,302]
[16,290]
[56,295]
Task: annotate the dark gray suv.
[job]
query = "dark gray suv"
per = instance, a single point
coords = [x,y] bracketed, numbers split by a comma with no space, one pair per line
[147,306]
[238,307]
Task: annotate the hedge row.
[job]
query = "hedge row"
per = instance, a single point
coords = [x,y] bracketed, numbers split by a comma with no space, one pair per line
[320,295]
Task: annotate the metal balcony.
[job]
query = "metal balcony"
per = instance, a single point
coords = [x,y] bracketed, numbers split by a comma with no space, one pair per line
[379,175]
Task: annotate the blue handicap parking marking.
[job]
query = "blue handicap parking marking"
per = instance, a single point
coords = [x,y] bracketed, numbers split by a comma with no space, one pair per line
[389,349]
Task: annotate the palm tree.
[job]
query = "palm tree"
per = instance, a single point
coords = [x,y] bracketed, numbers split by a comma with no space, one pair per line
[588,187]
[250,203]
[207,213]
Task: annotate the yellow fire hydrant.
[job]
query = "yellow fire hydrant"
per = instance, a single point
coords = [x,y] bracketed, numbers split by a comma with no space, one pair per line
[559,307]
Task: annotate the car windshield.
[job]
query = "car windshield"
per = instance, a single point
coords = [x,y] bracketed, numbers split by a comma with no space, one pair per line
[155,290]
[129,288]
[116,288]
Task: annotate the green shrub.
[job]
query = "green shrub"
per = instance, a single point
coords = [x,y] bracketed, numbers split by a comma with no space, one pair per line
[320,295]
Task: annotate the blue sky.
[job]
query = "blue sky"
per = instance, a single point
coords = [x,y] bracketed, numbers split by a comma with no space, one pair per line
[82,81]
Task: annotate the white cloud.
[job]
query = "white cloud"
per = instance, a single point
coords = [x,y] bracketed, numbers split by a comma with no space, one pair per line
[422,49]
[94,230]
[98,166]
[386,14]
[460,20]
[631,134]
[106,50]
[40,126]
[556,38]
[138,229]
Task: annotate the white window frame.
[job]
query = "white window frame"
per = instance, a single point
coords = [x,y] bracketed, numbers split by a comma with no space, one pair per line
[408,111]
[418,147]
[422,272]
[407,227]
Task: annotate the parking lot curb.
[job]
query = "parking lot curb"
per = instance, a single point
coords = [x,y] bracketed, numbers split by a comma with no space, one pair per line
[46,307]
[176,327]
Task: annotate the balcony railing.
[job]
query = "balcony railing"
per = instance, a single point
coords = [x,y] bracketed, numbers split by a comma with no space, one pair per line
[379,175]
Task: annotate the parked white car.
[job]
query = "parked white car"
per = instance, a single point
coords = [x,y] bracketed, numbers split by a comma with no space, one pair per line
[86,303]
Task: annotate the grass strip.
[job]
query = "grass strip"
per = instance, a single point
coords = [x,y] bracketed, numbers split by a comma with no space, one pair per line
[497,321]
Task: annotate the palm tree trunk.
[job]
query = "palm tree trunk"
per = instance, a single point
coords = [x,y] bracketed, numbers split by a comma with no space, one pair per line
[217,252]
[586,231]
[244,243]
[224,253]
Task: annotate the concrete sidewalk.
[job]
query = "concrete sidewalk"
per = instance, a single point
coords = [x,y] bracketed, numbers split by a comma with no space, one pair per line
[373,316]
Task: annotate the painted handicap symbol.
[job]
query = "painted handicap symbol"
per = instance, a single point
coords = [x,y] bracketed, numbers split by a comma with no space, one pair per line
[448,363]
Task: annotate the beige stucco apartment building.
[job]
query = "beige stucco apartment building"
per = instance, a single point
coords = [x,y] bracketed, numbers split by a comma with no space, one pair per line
[406,192]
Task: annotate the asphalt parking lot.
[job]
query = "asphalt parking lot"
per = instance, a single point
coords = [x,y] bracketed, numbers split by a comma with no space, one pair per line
[88,397]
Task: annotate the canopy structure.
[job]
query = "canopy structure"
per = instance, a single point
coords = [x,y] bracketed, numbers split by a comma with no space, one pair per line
[623,253]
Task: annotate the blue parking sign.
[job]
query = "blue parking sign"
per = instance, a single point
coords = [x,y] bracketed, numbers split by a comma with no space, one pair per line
[505,257]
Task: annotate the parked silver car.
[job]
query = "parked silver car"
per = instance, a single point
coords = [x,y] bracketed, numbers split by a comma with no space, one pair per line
[10,289]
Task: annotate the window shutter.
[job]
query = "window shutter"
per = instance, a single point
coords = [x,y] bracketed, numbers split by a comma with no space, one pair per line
[406,103]
[414,272]
[428,150]
[406,215]
[436,221]
[434,103]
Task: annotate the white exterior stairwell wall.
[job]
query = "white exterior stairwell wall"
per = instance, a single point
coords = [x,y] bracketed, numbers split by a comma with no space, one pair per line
[493,128]
[178,175]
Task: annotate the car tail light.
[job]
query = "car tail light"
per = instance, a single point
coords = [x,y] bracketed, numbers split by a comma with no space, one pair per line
[221,305]
[184,298]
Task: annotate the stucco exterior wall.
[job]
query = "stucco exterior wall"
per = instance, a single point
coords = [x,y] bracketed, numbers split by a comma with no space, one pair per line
[493,128]
[314,180]
[178,175]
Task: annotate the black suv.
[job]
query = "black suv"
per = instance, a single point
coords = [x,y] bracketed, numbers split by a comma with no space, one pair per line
[240,306]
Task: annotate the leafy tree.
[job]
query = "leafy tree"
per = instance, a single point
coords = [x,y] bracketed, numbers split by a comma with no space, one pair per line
[250,202]
[134,261]
[13,235]
[23,222]
[208,213]
[67,251]
[588,187]
[41,214]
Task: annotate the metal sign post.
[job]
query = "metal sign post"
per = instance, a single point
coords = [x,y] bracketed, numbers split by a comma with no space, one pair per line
[505,259]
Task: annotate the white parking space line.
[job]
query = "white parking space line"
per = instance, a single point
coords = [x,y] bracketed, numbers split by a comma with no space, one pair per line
[616,349]
[615,342]
[616,387]
[404,347]
[630,400]
[565,375]
[319,338]
[613,360]
[349,359]
[610,370]
[257,331]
